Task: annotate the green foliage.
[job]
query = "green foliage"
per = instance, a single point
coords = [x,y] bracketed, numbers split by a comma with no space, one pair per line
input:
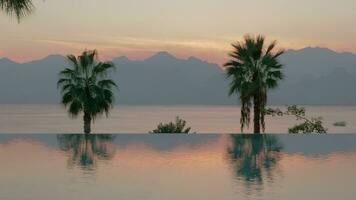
[253,69]
[18,8]
[85,86]
[172,127]
[312,125]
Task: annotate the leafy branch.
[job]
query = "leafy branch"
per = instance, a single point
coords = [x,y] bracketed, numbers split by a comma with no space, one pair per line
[309,125]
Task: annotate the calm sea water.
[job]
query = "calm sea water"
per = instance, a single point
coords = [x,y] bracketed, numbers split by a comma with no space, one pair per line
[142,119]
[175,167]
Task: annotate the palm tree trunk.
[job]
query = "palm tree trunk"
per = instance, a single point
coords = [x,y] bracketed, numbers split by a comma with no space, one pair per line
[256,115]
[87,123]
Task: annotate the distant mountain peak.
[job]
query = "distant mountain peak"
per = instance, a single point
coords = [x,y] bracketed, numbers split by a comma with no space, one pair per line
[195,59]
[121,59]
[319,49]
[314,49]
[7,61]
[49,58]
[54,56]
[162,55]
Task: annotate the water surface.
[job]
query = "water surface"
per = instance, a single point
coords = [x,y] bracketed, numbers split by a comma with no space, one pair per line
[142,119]
[176,167]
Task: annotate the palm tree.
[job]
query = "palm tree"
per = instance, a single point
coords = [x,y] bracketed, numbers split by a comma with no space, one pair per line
[85,87]
[253,69]
[18,8]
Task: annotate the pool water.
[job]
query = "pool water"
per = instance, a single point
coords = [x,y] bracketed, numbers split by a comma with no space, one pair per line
[208,166]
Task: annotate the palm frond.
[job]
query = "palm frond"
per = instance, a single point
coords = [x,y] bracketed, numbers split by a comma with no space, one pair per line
[75,107]
[101,69]
[107,84]
[17,8]
[85,86]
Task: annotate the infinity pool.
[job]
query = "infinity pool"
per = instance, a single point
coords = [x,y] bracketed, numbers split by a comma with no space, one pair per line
[177,167]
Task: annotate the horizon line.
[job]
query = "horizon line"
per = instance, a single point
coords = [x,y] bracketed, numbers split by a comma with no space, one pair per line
[170,54]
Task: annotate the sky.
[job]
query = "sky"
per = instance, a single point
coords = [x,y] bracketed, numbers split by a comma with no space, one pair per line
[202,28]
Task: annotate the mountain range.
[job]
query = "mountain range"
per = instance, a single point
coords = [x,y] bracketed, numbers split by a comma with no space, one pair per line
[314,76]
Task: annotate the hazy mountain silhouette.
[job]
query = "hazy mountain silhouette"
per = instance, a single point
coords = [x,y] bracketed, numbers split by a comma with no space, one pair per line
[313,76]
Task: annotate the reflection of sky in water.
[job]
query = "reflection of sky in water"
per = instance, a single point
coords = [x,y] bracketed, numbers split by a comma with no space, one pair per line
[177,167]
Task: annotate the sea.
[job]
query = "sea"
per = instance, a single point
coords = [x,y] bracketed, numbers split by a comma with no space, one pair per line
[143,119]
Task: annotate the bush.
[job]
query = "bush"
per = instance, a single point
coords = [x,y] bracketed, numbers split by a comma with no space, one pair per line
[172,127]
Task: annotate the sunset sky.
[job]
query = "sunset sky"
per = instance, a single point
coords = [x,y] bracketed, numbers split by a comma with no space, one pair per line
[201,28]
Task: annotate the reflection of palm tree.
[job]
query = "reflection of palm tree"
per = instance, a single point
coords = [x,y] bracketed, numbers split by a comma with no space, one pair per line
[86,149]
[252,155]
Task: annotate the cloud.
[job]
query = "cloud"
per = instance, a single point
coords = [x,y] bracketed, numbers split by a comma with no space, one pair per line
[136,43]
